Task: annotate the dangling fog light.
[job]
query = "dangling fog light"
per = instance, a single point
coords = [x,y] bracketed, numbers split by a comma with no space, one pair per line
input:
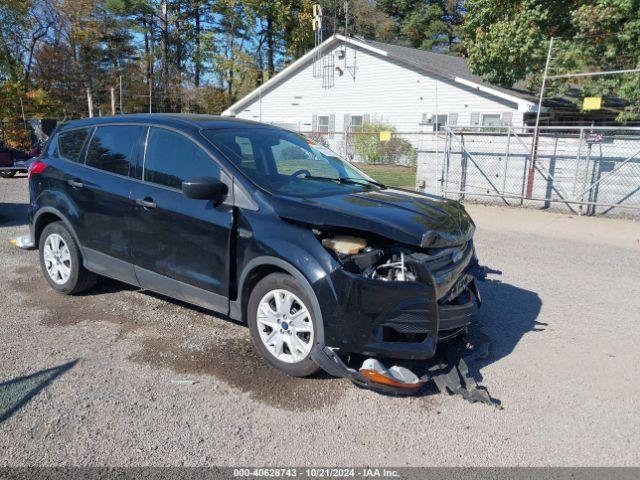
[397,377]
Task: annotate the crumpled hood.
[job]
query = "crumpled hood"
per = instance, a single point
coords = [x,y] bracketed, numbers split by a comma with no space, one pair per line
[406,217]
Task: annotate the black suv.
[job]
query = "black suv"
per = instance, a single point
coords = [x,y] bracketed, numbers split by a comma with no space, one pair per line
[259,224]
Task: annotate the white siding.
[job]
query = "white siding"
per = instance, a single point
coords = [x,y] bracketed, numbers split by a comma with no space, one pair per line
[383,90]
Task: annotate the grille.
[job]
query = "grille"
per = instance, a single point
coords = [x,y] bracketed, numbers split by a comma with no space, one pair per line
[409,328]
[442,258]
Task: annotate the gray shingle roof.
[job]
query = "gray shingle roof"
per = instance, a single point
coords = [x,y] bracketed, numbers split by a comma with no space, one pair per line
[442,65]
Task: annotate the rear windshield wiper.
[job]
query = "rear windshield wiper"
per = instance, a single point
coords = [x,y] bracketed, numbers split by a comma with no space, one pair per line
[348,180]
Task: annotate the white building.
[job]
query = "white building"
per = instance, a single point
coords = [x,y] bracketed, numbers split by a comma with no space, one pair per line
[351,81]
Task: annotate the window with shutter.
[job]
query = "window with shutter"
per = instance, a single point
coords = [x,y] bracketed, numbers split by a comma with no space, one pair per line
[332,125]
[507,118]
[323,124]
[491,120]
[438,122]
[347,122]
[356,123]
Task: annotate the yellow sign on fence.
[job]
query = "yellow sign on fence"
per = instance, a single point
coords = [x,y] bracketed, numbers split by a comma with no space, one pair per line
[385,135]
[592,103]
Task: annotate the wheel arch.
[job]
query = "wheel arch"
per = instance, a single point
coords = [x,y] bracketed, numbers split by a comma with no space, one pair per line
[257,269]
[46,216]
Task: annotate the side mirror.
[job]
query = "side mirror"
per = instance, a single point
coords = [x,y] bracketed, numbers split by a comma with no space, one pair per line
[205,188]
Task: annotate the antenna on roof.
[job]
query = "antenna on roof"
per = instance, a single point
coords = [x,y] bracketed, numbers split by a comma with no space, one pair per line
[317,31]
[346,18]
[345,54]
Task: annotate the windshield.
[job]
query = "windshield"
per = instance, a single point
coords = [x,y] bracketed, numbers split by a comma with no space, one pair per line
[286,163]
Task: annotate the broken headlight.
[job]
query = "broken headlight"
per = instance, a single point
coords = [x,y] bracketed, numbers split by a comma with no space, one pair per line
[376,261]
[395,269]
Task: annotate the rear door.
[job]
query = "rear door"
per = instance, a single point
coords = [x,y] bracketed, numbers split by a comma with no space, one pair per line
[65,156]
[180,245]
[104,199]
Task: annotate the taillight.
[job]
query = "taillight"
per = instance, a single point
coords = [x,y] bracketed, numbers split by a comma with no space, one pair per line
[36,167]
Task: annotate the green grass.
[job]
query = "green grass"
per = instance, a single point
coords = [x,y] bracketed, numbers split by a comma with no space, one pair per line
[391,175]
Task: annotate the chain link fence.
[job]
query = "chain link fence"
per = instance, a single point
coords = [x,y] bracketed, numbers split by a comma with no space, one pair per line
[584,170]
[591,171]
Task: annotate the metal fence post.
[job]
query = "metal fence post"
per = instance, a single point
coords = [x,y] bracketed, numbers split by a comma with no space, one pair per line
[446,163]
[578,160]
[593,192]
[506,162]
[464,161]
[585,178]
[437,160]
[527,160]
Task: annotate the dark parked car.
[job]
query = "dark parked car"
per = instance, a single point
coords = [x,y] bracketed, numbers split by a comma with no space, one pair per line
[259,224]
[13,161]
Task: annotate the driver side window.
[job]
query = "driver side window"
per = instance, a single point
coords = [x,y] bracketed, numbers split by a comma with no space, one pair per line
[290,158]
[171,158]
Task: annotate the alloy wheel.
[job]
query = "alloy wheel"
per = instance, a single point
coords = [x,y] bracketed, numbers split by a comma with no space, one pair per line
[57,259]
[285,326]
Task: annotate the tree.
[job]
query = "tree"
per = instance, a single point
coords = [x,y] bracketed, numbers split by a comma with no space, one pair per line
[507,42]
[23,25]
[607,38]
[13,99]
[426,24]
[364,19]
[186,55]
[89,48]
[141,14]
[425,28]
[368,21]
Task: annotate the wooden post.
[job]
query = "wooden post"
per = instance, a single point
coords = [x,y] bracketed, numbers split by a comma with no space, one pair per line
[90,102]
[113,101]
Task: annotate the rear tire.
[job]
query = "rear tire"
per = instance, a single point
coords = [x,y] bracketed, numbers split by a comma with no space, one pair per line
[282,324]
[61,261]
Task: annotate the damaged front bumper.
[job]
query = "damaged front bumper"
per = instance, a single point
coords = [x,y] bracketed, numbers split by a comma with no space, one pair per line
[450,376]
[406,320]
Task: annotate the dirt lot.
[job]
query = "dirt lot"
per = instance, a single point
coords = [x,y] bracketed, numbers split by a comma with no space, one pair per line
[91,380]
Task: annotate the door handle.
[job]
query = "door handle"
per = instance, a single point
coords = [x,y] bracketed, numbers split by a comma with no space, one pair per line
[75,183]
[146,202]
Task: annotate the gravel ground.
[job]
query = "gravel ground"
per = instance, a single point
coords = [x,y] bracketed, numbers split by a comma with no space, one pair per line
[91,380]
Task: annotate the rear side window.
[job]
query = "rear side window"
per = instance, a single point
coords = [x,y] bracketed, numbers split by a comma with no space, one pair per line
[172,158]
[112,148]
[70,144]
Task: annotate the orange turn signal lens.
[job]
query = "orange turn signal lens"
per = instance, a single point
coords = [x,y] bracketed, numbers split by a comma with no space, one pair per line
[376,377]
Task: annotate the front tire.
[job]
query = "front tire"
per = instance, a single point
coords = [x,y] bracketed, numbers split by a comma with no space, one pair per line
[282,324]
[61,261]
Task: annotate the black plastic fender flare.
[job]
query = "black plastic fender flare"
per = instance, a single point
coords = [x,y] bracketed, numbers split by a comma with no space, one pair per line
[63,218]
[266,260]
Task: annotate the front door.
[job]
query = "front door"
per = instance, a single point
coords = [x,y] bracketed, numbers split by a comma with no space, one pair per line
[180,245]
